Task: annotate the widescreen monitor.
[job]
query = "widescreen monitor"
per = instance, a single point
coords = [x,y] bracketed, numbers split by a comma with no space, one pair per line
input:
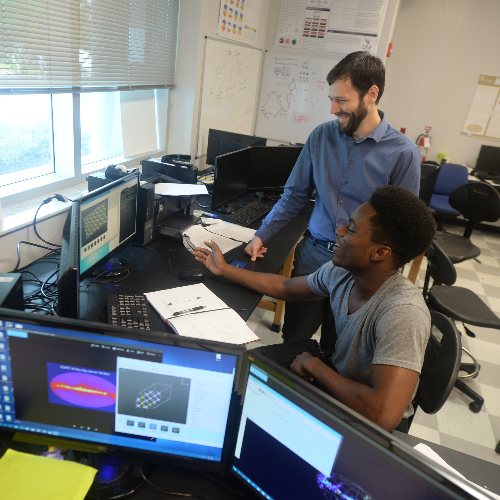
[153,396]
[294,441]
[271,166]
[99,224]
[221,142]
[488,160]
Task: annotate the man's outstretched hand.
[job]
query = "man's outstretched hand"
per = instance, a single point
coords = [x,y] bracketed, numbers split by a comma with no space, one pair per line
[256,248]
[212,257]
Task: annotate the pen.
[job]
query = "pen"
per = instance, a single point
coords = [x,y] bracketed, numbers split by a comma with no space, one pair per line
[181,301]
[197,308]
[208,214]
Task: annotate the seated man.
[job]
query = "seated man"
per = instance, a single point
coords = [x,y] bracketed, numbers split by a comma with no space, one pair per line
[381,319]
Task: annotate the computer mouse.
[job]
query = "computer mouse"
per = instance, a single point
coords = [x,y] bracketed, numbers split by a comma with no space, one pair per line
[192,275]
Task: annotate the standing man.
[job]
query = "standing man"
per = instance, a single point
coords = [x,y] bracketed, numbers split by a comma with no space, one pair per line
[344,160]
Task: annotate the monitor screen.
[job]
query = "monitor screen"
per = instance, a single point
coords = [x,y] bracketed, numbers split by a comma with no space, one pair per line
[270,167]
[168,397]
[292,444]
[221,142]
[107,222]
[230,177]
[488,159]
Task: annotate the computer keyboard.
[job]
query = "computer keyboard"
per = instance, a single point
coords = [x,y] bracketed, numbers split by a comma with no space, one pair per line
[244,216]
[129,310]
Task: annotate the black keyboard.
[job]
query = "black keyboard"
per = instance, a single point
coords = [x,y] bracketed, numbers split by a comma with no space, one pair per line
[244,216]
[131,311]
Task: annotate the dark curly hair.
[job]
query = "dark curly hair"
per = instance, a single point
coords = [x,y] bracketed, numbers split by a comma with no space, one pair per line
[403,222]
[363,69]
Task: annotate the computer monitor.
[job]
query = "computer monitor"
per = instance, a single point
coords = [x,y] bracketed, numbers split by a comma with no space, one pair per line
[488,160]
[98,225]
[150,396]
[230,177]
[294,441]
[270,167]
[221,142]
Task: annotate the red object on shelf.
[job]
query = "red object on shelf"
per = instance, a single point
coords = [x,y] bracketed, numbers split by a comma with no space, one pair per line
[389,49]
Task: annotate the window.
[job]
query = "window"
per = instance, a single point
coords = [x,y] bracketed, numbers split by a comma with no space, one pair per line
[25,137]
[103,55]
[101,129]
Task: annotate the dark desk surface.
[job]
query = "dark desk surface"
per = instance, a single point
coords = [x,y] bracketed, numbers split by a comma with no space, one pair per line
[478,471]
[156,266]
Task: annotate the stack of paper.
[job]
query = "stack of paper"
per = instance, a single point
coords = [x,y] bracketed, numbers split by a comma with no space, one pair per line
[194,311]
[226,235]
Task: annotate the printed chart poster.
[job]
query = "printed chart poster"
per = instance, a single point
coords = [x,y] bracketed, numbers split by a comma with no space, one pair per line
[483,119]
[331,26]
[239,20]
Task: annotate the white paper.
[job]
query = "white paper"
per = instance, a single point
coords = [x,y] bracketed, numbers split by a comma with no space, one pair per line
[229,230]
[239,20]
[430,453]
[173,189]
[167,302]
[198,235]
[216,321]
[221,326]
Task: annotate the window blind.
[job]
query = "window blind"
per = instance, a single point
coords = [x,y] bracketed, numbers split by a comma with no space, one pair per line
[87,45]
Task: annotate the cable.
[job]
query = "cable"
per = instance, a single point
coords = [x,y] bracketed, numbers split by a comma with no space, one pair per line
[52,251]
[172,493]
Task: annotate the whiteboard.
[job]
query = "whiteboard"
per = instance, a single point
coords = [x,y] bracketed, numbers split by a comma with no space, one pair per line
[230,85]
[293,96]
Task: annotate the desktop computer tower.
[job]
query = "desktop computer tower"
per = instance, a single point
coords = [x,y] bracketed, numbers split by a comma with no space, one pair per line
[145,213]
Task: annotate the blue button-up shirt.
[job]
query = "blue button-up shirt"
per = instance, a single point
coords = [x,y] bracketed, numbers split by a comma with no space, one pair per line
[345,173]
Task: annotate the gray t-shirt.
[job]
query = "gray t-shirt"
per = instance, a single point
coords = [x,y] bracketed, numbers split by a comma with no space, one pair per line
[392,328]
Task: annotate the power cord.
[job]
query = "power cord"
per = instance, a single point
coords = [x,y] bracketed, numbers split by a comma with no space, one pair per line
[59,197]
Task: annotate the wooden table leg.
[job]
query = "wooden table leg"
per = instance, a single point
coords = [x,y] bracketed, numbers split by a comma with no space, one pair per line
[279,305]
[415,267]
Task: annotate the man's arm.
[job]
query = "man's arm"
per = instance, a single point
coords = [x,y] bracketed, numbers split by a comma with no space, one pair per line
[274,285]
[383,402]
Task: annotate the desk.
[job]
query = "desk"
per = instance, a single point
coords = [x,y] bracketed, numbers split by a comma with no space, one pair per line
[150,271]
[478,471]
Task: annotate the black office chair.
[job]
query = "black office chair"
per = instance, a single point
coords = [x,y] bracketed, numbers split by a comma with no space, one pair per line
[477,202]
[441,365]
[460,304]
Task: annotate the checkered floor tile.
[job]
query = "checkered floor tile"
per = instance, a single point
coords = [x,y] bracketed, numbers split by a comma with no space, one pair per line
[454,426]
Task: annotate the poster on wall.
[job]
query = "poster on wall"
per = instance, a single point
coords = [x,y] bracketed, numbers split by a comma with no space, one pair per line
[483,119]
[239,20]
[336,27]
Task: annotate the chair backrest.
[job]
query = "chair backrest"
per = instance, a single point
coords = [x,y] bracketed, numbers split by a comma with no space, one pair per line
[477,202]
[441,364]
[439,267]
[428,177]
[451,175]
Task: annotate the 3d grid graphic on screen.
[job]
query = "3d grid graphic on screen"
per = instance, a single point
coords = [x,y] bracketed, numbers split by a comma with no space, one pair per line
[153,396]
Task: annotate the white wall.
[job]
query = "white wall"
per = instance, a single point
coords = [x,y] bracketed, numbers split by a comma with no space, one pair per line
[440,49]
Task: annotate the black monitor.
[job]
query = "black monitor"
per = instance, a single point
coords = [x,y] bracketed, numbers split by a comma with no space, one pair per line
[230,177]
[488,160]
[294,441]
[221,142]
[150,396]
[270,167]
[98,225]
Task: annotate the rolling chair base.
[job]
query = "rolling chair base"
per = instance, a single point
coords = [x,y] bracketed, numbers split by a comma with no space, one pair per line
[478,401]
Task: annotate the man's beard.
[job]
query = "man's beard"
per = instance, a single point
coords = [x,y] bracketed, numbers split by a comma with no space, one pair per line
[355,119]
